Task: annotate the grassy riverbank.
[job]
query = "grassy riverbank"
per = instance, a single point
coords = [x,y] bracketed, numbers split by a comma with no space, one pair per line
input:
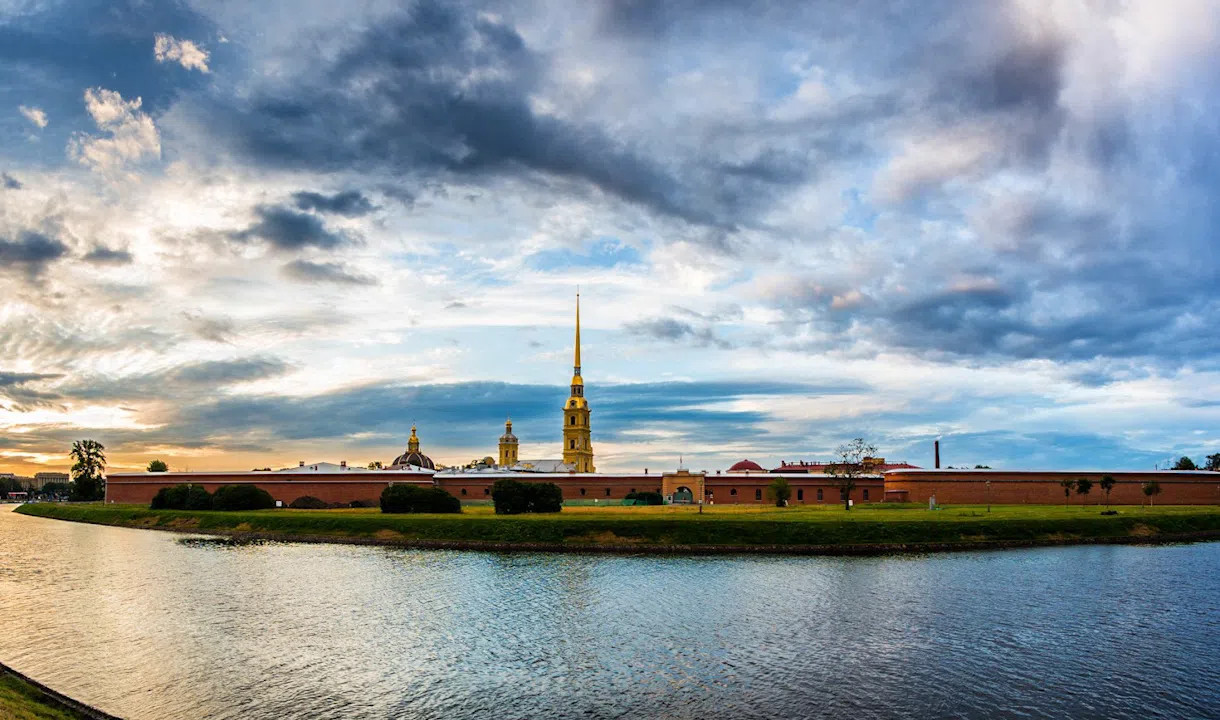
[21,701]
[816,528]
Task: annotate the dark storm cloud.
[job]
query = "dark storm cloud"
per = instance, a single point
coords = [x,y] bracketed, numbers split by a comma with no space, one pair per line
[444,90]
[312,272]
[447,413]
[102,255]
[8,182]
[30,252]
[350,203]
[674,330]
[286,229]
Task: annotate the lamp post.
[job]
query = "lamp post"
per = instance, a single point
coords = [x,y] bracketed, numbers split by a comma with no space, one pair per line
[988,484]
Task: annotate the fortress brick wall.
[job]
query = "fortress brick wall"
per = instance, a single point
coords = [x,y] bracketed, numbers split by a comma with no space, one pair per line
[969,487]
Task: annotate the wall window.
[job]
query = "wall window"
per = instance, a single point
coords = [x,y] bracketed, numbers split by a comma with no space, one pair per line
[733,491]
[607,492]
[463,491]
[582,491]
[819,494]
[800,494]
[758,494]
[572,420]
[486,491]
[632,489]
[571,444]
[865,493]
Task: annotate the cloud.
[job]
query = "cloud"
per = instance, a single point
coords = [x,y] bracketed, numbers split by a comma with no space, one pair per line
[213,329]
[8,182]
[311,272]
[350,203]
[287,229]
[184,52]
[673,330]
[131,137]
[102,255]
[180,384]
[30,252]
[14,386]
[35,115]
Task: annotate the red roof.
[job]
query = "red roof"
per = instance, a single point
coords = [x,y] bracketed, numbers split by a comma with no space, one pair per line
[745,465]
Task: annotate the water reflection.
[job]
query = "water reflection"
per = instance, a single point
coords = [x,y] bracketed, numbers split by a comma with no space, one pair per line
[152,625]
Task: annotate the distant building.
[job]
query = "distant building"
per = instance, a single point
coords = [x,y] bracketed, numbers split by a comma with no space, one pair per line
[412,457]
[577,443]
[43,478]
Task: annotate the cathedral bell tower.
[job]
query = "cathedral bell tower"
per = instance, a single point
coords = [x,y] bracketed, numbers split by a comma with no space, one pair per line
[508,445]
[577,447]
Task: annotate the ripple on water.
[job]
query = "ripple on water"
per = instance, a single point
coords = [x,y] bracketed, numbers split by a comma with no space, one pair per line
[152,625]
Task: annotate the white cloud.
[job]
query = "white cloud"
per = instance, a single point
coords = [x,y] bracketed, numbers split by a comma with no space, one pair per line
[184,52]
[34,115]
[133,136]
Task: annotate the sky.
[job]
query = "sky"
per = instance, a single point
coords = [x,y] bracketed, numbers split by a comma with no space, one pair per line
[238,235]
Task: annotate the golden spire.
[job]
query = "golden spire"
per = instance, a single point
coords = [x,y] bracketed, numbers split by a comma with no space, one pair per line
[577,363]
[413,441]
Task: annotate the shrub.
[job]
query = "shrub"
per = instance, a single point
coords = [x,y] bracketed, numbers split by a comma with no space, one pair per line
[182,497]
[646,498]
[415,499]
[357,504]
[779,491]
[308,502]
[242,497]
[512,497]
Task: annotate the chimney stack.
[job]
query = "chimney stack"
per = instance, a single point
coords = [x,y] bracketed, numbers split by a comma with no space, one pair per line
[937,446]
[302,463]
[343,464]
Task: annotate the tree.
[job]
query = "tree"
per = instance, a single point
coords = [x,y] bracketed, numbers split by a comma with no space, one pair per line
[88,482]
[849,467]
[1213,463]
[242,497]
[1067,484]
[1185,463]
[1083,486]
[158,466]
[415,499]
[779,491]
[1107,484]
[1152,487]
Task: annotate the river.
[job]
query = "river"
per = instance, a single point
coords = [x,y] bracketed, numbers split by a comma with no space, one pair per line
[148,624]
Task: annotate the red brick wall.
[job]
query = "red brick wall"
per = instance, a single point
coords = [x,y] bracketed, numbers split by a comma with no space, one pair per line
[752,489]
[478,487]
[1008,488]
[139,488]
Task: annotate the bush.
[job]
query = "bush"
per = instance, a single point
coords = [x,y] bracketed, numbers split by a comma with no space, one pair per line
[646,498]
[242,497]
[182,497]
[512,497]
[415,499]
[308,502]
[357,504]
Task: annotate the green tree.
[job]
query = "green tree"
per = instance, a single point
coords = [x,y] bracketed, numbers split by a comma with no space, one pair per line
[779,491]
[1107,484]
[1083,486]
[88,480]
[158,466]
[1152,487]
[849,467]
[1185,463]
[1067,484]
[1213,463]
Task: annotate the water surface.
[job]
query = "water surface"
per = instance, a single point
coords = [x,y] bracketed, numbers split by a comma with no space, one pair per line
[148,625]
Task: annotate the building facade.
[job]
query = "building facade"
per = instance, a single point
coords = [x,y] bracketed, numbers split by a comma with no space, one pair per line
[508,445]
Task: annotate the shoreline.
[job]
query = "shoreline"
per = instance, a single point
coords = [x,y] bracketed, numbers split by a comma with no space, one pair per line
[46,699]
[589,533]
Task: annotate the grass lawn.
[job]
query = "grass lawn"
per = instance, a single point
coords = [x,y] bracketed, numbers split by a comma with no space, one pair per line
[737,525]
[21,701]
